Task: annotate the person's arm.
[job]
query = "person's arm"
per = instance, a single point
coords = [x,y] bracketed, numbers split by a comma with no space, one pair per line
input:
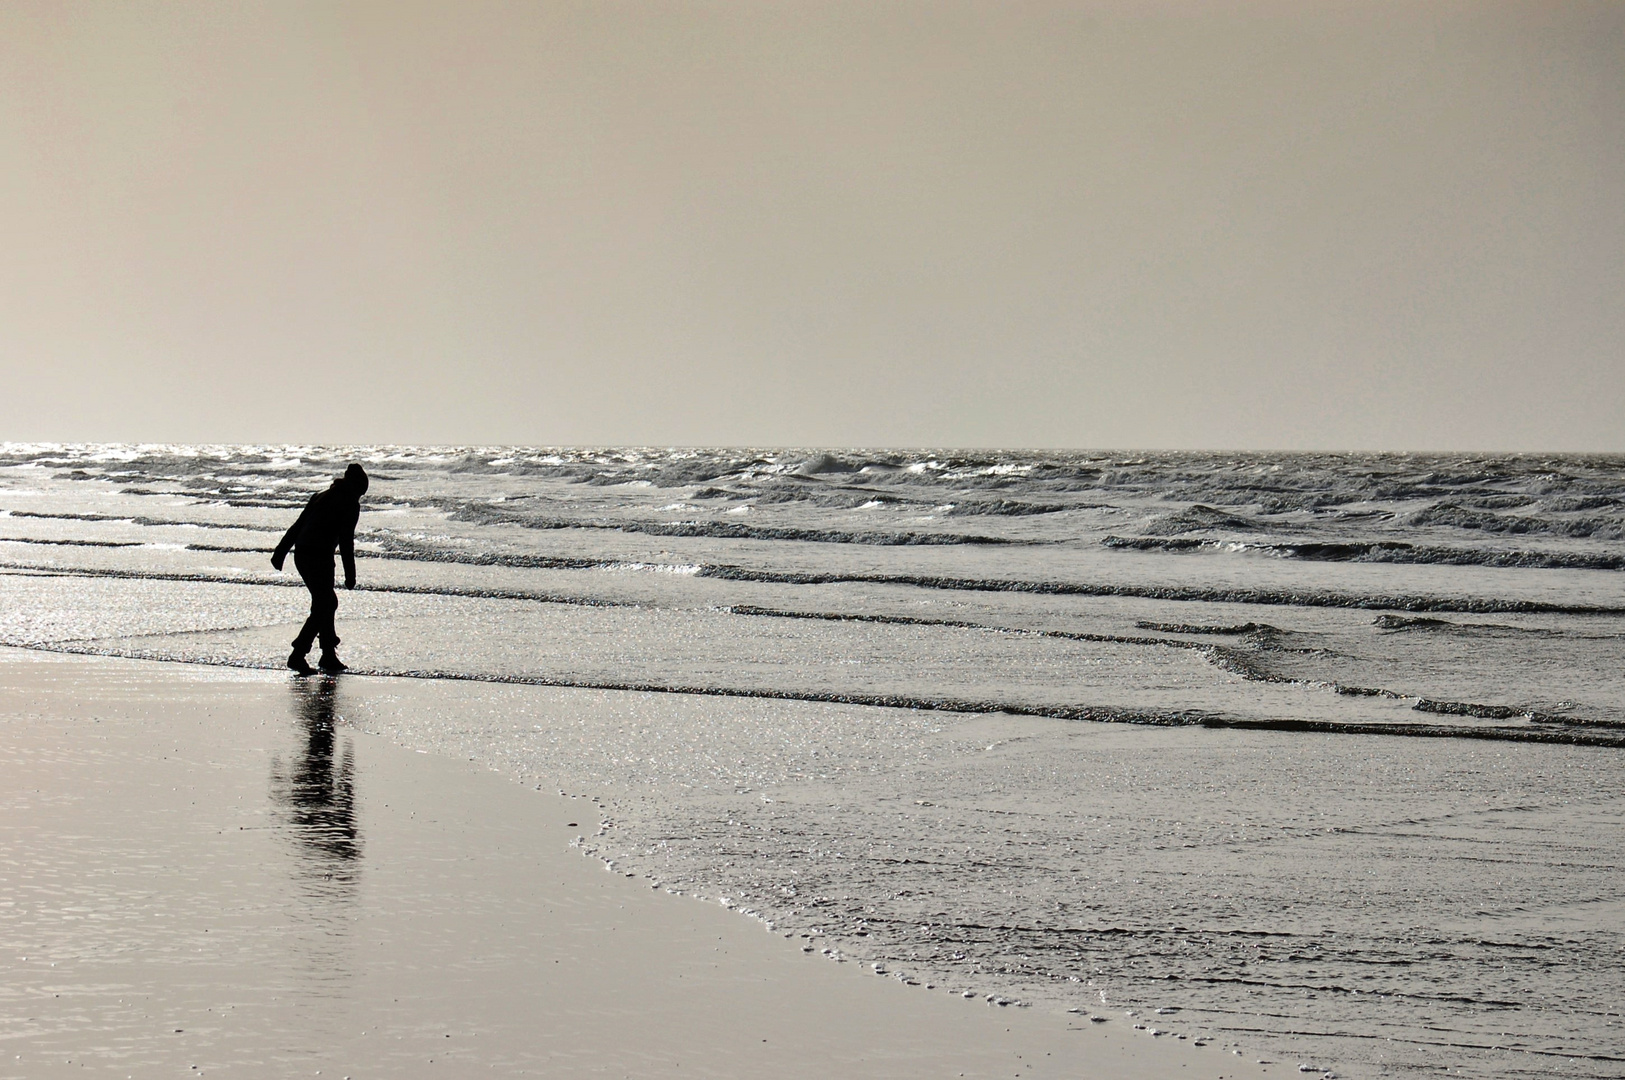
[285,545]
[347,548]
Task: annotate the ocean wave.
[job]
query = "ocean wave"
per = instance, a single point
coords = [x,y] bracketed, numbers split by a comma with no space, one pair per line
[390,547]
[820,464]
[140,519]
[1250,662]
[1019,508]
[1568,735]
[1254,667]
[1398,622]
[729,530]
[1570,497]
[1209,594]
[1185,628]
[1303,481]
[403,549]
[68,516]
[288,581]
[1381,551]
[1511,712]
[824,497]
[960,624]
[71,543]
[1468,708]
[1198,516]
[1158,543]
[1458,516]
[1567,504]
[491,514]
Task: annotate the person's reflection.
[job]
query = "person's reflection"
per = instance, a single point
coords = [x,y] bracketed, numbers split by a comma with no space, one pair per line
[316,792]
[313,795]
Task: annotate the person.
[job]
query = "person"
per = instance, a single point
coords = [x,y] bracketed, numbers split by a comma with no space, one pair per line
[328,521]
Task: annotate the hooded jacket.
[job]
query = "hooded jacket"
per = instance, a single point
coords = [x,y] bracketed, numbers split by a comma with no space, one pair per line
[327,522]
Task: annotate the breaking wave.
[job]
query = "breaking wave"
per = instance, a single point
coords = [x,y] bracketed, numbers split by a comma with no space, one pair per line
[1381,551]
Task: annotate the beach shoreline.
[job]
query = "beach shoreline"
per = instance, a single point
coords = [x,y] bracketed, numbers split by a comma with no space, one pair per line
[212,871]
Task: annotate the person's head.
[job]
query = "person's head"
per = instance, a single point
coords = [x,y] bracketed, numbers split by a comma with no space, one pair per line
[355,478]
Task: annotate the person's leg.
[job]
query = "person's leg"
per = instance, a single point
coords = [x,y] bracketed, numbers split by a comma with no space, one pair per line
[326,631]
[324,601]
[307,632]
[324,605]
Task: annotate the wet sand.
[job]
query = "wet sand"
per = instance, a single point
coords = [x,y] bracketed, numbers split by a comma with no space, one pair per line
[208,871]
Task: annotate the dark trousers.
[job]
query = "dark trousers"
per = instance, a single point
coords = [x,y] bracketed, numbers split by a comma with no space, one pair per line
[317,570]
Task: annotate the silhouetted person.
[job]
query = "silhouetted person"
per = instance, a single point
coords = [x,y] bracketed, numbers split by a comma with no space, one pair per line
[328,522]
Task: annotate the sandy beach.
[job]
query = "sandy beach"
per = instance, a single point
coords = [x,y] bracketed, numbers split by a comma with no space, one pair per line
[210,871]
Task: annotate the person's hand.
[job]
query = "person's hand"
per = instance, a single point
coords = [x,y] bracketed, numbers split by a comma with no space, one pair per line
[276,559]
[349,582]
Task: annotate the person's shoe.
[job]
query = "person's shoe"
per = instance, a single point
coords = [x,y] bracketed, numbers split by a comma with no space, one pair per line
[297,661]
[331,663]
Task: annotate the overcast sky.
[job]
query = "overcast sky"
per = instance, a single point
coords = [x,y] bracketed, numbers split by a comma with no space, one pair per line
[1131,224]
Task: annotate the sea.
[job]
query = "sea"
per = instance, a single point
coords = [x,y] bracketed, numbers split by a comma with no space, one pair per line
[1316,759]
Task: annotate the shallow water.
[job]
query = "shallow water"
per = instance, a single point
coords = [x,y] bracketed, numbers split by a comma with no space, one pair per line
[1364,806]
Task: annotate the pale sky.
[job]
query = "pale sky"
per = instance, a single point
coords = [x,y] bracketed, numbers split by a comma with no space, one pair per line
[1129,224]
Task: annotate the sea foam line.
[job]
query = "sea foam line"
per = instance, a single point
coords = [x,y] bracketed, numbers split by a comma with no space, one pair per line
[1379,551]
[1227,658]
[966,706]
[395,550]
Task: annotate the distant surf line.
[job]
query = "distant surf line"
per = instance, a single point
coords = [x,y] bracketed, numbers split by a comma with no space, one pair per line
[483,514]
[1377,551]
[1267,597]
[294,583]
[731,572]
